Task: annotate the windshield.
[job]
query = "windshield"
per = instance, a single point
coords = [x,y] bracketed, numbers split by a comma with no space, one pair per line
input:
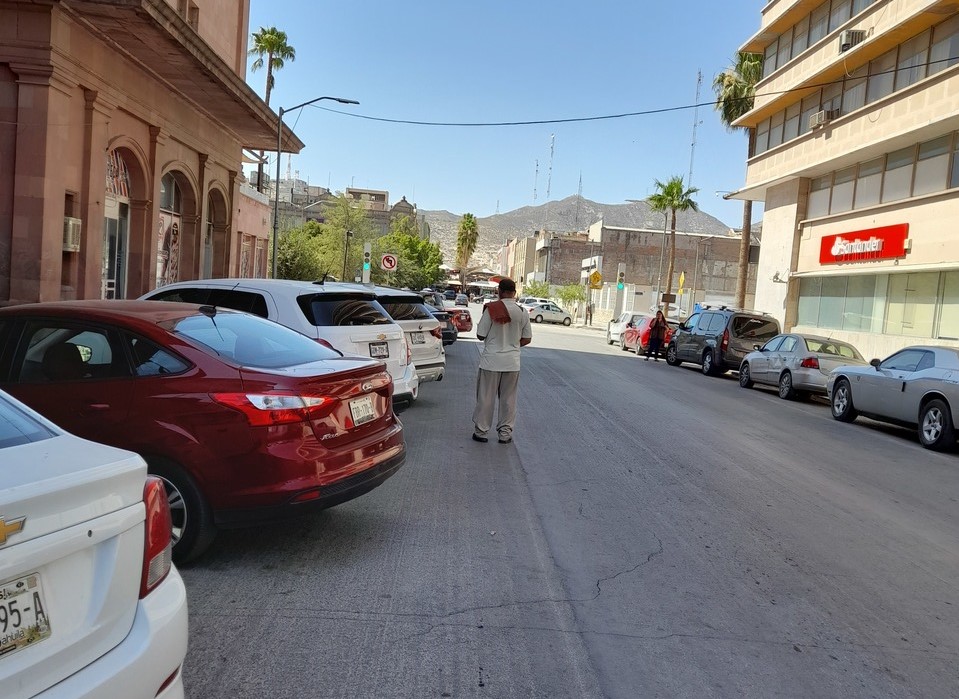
[18,427]
[343,309]
[251,341]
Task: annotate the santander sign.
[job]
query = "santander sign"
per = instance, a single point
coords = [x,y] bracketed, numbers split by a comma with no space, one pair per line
[885,243]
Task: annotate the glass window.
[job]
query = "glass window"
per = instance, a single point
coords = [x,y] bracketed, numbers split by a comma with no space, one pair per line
[776,129]
[762,137]
[785,48]
[18,427]
[832,97]
[869,182]
[58,352]
[149,359]
[904,360]
[801,36]
[954,173]
[338,309]
[403,308]
[818,23]
[837,349]
[753,328]
[170,198]
[897,180]
[246,301]
[818,204]
[912,60]
[860,5]
[840,13]
[717,323]
[791,125]
[932,168]
[949,311]
[844,182]
[832,298]
[769,58]
[945,45]
[809,288]
[854,90]
[789,344]
[928,361]
[810,105]
[911,303]
[882,76]
[690,322]
[773,344]
[860,302]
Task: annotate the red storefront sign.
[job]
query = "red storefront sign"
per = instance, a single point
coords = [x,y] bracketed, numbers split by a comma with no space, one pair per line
[885,243]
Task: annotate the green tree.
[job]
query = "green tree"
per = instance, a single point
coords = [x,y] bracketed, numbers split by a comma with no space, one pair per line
[467,236]
[270,44]
[735,90]
[299,256]
[672,196]
[571,293]
[536,288]
[418,260]
[343,214]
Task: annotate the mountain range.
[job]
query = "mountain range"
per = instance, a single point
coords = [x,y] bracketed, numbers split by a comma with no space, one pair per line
[574,213]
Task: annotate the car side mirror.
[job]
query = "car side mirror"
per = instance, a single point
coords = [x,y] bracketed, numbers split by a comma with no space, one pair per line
[875,362]
[757,347]
[629,325]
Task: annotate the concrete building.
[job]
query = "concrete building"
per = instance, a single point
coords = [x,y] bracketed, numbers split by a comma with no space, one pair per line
[855,159]
[122,124]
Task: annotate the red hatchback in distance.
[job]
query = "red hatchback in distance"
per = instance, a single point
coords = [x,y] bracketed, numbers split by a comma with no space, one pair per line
[243,419]
[636,337]
[461,319]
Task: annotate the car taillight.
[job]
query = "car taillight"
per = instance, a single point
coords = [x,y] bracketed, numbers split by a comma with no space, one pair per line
[265,410]
[725,343]
[810,363]
[158,536]
[409,351]
[437,332]
[326,344]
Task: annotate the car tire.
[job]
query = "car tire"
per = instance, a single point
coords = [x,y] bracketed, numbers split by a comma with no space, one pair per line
[709,363]
[745,378]
[193,528]
[840,402]
[671,357]
[539,319]
[786,390]
[609,338]
[638,349]
[936,429]
[622,342]
[567,321]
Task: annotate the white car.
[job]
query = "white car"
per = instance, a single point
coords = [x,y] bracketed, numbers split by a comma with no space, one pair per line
[549,313]
[90,602]
[618,325]
[344,316]
[531,301]
[423,332]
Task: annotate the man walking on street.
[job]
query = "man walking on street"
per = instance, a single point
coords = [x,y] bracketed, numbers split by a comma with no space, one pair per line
[503,329]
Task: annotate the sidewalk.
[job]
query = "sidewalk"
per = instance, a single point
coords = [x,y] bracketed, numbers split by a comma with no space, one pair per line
[594,327]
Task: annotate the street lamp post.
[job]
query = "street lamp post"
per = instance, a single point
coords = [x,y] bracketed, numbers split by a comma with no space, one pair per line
[662,253]
[346,252]
[279,145]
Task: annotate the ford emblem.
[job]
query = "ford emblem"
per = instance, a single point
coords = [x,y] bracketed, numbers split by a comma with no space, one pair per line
[367,386]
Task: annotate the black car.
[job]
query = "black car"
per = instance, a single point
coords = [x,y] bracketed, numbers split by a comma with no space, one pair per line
[719,338]
[450,333]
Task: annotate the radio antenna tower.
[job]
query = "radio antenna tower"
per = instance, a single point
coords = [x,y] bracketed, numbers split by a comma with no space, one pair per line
[696,122]
[549,181]
[579,198]
[535,181]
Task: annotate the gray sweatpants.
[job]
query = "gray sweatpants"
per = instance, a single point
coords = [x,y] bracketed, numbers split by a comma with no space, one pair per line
[491,385]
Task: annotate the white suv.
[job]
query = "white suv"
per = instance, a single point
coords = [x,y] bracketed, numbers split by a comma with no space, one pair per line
[345,316]
[423,332]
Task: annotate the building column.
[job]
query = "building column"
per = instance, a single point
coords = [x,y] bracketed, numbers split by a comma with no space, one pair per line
[36,245]
[96,136]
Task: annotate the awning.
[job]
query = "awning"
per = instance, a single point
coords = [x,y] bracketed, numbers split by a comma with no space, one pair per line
[160,42]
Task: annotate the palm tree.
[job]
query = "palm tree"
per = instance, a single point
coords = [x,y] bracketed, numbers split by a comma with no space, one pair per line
[735,90]
[271,43]
[672,196]
[466,238]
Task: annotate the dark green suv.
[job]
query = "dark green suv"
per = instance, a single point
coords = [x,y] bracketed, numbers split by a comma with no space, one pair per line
[718,338]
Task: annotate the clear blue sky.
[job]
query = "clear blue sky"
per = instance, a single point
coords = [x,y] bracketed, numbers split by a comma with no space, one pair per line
[504,60]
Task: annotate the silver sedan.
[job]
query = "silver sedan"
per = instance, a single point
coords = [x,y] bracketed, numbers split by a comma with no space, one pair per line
[796,364]
[916,386]
[549,313]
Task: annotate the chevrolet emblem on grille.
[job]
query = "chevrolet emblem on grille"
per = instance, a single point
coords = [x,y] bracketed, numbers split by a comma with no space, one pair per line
[381,336]
[14,526]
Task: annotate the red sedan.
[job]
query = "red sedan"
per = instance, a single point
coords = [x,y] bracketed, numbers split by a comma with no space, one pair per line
[243,419]
[636,337]
[461,319]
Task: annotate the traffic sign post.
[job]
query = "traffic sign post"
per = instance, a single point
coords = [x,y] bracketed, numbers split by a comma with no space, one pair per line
[367,254]
[388,262]
[620,289]
[595,280]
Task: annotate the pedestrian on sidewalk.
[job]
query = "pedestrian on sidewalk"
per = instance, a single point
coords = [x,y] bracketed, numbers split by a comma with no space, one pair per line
[657,333]
[503,329]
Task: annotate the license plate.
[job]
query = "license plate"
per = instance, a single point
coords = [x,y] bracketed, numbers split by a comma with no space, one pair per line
[417,338]
[379,350]
[362,410]
[23,617]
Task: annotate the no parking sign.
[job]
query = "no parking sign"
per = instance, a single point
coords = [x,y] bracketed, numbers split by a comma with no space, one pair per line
[388,263]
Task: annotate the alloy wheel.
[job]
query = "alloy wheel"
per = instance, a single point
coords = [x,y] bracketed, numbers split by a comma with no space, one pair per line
[178,511]
[932,423]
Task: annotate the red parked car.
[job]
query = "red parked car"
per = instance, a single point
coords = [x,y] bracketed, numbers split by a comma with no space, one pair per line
[636,337]
[461,319]
[243,419]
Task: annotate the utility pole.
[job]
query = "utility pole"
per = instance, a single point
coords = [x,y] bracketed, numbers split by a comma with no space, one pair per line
[696,122]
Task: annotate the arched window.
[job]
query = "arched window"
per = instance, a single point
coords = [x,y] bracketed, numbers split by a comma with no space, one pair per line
[171,223]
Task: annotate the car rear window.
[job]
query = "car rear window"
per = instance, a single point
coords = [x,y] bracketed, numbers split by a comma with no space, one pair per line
[405,308]
[18,427]
[251,341]
[246,301]
[838,349]
[337,309]
[755,328]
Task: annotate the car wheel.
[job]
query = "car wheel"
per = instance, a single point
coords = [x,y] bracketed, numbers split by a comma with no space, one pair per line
[567,321]
[671,357]
[638,349]
[786,390]
[745,379]
[708,363]
[539,319]
[622,342]
[842,407]
[936,430]
[192,517]
[609,338]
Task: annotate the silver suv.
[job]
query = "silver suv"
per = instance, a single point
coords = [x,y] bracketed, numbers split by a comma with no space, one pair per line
[719,338]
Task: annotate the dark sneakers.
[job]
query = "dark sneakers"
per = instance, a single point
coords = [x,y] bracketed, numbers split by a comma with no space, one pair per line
[479,438]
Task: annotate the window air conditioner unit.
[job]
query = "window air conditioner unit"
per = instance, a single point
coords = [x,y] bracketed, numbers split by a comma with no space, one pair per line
[71,234]
[849,38]
[823,117]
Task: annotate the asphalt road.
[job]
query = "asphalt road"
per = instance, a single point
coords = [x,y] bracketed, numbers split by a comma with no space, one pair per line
[650,533]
